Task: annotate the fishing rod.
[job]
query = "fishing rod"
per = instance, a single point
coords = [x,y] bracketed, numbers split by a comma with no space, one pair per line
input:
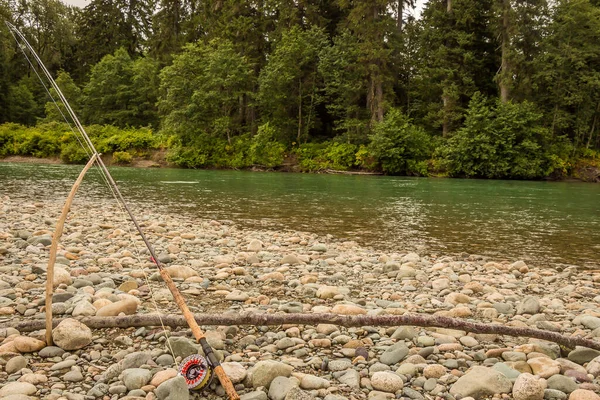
[194,368]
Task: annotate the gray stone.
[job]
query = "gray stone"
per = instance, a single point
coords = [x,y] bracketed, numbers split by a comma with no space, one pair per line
[293,307]
[590,321]
[350,378]
[165,360]
[394,354]
[412,394]
[481,382]
[264,372]
[173,389]
[183,347]
[562,383]
[504,308]
[341,364]
[15,364]
[280,386]
[405,332]
[135,378]
[529,305]
[74,375]
[581,355]
[257,395]
[312,382]
[298,394]
[135,360]
[507,371]
[551,394]
[99,390]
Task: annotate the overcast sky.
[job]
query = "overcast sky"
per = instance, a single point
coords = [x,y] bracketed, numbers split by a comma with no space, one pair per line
[83,3]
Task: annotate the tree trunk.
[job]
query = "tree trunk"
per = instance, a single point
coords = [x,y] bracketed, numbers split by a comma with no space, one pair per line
[505,73]
[449,6]
[399,17]
[589,142]
[347,321]
[446,121]
[379,97]
[299,112]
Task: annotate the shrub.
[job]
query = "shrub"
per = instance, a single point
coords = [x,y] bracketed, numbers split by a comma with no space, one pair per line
[73,153]
[501,140]
[265,150]
[340,156]
[122,157]
[399,146]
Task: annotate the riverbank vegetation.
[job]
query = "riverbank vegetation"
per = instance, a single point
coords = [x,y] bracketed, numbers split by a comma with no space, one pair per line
[473,88]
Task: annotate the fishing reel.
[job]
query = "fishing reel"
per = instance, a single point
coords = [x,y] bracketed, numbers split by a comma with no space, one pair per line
[197,371]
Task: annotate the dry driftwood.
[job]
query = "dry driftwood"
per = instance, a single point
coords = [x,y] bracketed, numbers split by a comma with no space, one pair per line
[54,248]
[175,321]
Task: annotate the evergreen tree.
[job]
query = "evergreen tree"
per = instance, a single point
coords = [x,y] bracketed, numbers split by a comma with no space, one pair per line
[568,79]
[108,96]
[290,85]
[58,111]
[202,91]
[456,58]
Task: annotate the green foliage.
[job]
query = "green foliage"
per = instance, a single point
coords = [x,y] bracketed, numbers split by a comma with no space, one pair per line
[73,153]
[122,157]
[22,104]
[289,85]
[264,149]
[328,155]
[399,146]
[57,112]
[54,139]
[202,90]
[501,140]
[212,152]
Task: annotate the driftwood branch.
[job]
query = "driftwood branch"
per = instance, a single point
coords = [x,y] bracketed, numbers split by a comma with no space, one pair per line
[54,248]
[175,321]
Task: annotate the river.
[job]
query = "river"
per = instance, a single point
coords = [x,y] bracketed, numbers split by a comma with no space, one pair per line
[542,222]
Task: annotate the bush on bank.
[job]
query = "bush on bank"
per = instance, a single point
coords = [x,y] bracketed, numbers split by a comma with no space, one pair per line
[54,139]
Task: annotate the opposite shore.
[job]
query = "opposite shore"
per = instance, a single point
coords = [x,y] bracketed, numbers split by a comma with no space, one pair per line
[156,159]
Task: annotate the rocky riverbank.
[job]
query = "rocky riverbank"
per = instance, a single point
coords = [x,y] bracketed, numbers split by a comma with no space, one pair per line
[220,268]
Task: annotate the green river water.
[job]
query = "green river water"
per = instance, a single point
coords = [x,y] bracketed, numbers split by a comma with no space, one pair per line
[544,222]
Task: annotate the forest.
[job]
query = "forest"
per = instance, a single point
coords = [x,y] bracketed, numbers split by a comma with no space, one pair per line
[501,89]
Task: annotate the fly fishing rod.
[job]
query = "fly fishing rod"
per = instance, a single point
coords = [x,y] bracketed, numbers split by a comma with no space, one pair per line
[194,368]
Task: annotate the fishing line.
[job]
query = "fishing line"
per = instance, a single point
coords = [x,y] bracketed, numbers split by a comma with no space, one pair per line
[102,174]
